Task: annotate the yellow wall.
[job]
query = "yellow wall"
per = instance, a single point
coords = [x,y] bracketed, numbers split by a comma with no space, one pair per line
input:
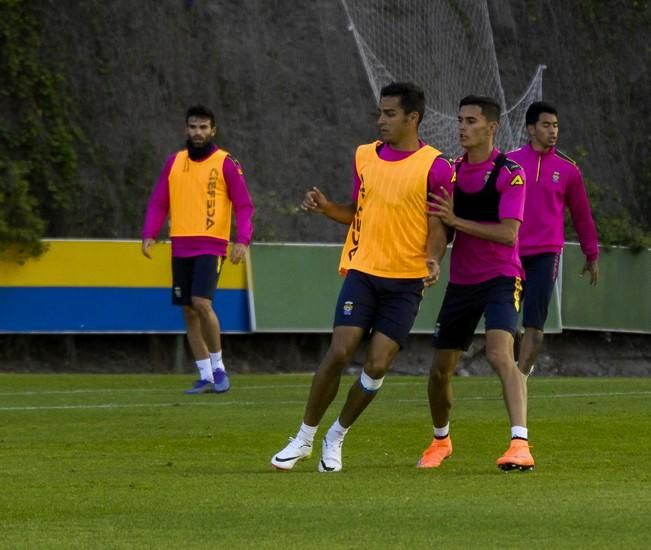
[103,264]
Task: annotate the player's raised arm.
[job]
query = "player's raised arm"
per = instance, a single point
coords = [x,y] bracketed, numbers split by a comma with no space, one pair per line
[316,201]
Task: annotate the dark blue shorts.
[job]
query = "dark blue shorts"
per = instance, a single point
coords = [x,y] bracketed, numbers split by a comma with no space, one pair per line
[379,304]
[463,305]
[195,276]
[541,272]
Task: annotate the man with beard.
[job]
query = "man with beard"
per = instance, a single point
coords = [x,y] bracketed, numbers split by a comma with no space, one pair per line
[199,187]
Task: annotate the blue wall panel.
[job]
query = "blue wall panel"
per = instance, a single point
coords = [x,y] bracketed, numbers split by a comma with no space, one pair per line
[104,309]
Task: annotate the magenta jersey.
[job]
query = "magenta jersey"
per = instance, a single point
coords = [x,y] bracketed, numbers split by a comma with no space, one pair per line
[440,174]
[553,182]
[185,247]
[476,260]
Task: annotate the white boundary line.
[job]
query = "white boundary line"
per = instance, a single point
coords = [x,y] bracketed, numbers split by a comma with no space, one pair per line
[221,402]
[421,380]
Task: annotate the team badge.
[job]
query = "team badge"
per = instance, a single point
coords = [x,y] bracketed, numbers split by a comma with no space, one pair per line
[238,166]
[556,177]
[348,308]
[177,291]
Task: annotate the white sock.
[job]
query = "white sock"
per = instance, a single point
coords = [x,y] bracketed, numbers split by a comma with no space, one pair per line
[517,365]
[440,433]
[520,432]
[205,370]
[306,433]
[216,361]
[336,432]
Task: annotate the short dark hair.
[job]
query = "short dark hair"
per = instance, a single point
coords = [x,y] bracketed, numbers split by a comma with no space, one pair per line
[536,109]
[489,106]
[412,98]
[200,111]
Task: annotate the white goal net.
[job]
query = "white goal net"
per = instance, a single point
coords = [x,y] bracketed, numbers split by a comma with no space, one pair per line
[446,47]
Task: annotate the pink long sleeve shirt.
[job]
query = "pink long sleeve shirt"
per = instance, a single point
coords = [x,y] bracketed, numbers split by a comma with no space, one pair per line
[553,182]
[185,247]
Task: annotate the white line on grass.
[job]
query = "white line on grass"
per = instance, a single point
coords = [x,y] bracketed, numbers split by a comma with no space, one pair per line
[137,390]
[265,387]
[126,406]
[295,402]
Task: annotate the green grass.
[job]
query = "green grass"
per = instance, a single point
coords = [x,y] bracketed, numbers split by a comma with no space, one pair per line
[94,461]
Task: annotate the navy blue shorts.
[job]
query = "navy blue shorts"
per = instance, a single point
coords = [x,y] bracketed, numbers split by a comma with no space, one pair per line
[541,272]
[379,304]
[497,299]
[195,276]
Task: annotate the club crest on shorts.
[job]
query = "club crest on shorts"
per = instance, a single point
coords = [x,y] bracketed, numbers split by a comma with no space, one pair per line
[348,307]
[177,291]
[437,329]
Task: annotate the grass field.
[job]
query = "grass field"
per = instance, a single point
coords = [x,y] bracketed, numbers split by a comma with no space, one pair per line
[112,461]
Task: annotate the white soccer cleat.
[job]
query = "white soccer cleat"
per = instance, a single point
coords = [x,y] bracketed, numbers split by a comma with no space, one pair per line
[331,457]
[296,450]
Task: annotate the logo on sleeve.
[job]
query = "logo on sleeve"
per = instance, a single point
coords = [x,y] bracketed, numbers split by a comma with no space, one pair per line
[238,166]
[517,180]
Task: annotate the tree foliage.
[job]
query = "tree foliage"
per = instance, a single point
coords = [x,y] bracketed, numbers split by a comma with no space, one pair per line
[38,161]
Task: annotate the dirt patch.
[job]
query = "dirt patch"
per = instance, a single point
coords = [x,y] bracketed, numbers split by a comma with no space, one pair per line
[572,353]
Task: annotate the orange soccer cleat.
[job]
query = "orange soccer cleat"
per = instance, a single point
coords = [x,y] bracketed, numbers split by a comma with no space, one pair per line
[437,452]
[517,457]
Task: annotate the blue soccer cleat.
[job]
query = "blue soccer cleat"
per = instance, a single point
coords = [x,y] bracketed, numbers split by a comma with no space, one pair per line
[201,386]
[222,383]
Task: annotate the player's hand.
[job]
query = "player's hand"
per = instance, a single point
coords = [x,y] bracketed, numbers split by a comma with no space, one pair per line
[146,245]
[314,201]
[442,207]
[238,253]
[593,269]
[434,273]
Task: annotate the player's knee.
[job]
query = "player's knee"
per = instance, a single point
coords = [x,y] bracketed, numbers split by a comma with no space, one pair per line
[377,365]
[439,376]
[202,306]
[498,358]
[537,336]
[340,353]
[189,313]
[443,366]
[368,384]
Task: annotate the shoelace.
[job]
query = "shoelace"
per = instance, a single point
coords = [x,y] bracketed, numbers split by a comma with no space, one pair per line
[298,442]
